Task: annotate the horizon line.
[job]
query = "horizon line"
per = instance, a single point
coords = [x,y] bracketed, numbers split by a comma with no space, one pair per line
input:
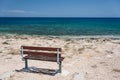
[53,17]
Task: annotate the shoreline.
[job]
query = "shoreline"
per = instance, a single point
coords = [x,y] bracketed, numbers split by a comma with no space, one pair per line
[68,36]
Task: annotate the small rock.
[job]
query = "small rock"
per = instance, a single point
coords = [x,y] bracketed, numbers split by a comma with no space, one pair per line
[110,52]
[64,73]
[6,75]
[109,56]
[94,66]
[79,76]
[116,70]
[5,43]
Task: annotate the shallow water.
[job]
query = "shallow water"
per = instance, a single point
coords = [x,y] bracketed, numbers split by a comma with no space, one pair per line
[61,26]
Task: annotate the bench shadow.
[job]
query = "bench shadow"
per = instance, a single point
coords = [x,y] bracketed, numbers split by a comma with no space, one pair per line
[51,72]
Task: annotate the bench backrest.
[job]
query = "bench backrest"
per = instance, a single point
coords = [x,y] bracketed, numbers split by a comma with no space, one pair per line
[41,48]
[41,51]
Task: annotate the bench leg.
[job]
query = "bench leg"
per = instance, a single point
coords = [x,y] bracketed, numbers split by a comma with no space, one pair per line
[60,67]
[26,64]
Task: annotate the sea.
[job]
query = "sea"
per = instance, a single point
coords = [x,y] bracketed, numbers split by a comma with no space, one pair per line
[60,26]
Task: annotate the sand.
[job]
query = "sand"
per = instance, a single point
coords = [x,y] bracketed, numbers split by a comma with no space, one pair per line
[85,58]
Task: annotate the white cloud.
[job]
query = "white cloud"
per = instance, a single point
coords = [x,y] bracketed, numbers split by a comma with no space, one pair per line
[18,11]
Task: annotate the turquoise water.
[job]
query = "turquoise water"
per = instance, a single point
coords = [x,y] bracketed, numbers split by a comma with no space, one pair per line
[60,26]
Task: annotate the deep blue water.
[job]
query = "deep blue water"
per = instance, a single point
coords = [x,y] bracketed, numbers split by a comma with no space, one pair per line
[60,26]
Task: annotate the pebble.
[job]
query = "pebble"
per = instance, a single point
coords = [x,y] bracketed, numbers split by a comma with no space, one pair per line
[64,73]
[6,75]
[79,76]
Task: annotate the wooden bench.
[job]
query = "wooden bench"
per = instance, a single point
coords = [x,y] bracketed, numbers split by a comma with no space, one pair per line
[42,53]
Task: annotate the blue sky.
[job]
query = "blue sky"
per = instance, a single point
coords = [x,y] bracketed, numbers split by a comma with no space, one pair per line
[59,8]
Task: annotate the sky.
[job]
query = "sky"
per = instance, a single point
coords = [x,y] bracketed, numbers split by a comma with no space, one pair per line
[59,8]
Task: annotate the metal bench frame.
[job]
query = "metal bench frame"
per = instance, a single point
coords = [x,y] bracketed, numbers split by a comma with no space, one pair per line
[59,62]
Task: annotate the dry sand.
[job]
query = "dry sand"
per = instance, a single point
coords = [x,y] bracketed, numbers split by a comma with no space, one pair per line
[85,59]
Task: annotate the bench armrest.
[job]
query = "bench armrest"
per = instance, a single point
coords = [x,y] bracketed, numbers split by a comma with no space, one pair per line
[58,56]
[22,53]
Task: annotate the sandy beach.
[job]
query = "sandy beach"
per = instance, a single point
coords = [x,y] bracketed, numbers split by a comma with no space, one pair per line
[85,58]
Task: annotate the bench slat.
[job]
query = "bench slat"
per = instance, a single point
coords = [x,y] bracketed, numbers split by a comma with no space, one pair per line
[41,53]
[41,48]
[43,58]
